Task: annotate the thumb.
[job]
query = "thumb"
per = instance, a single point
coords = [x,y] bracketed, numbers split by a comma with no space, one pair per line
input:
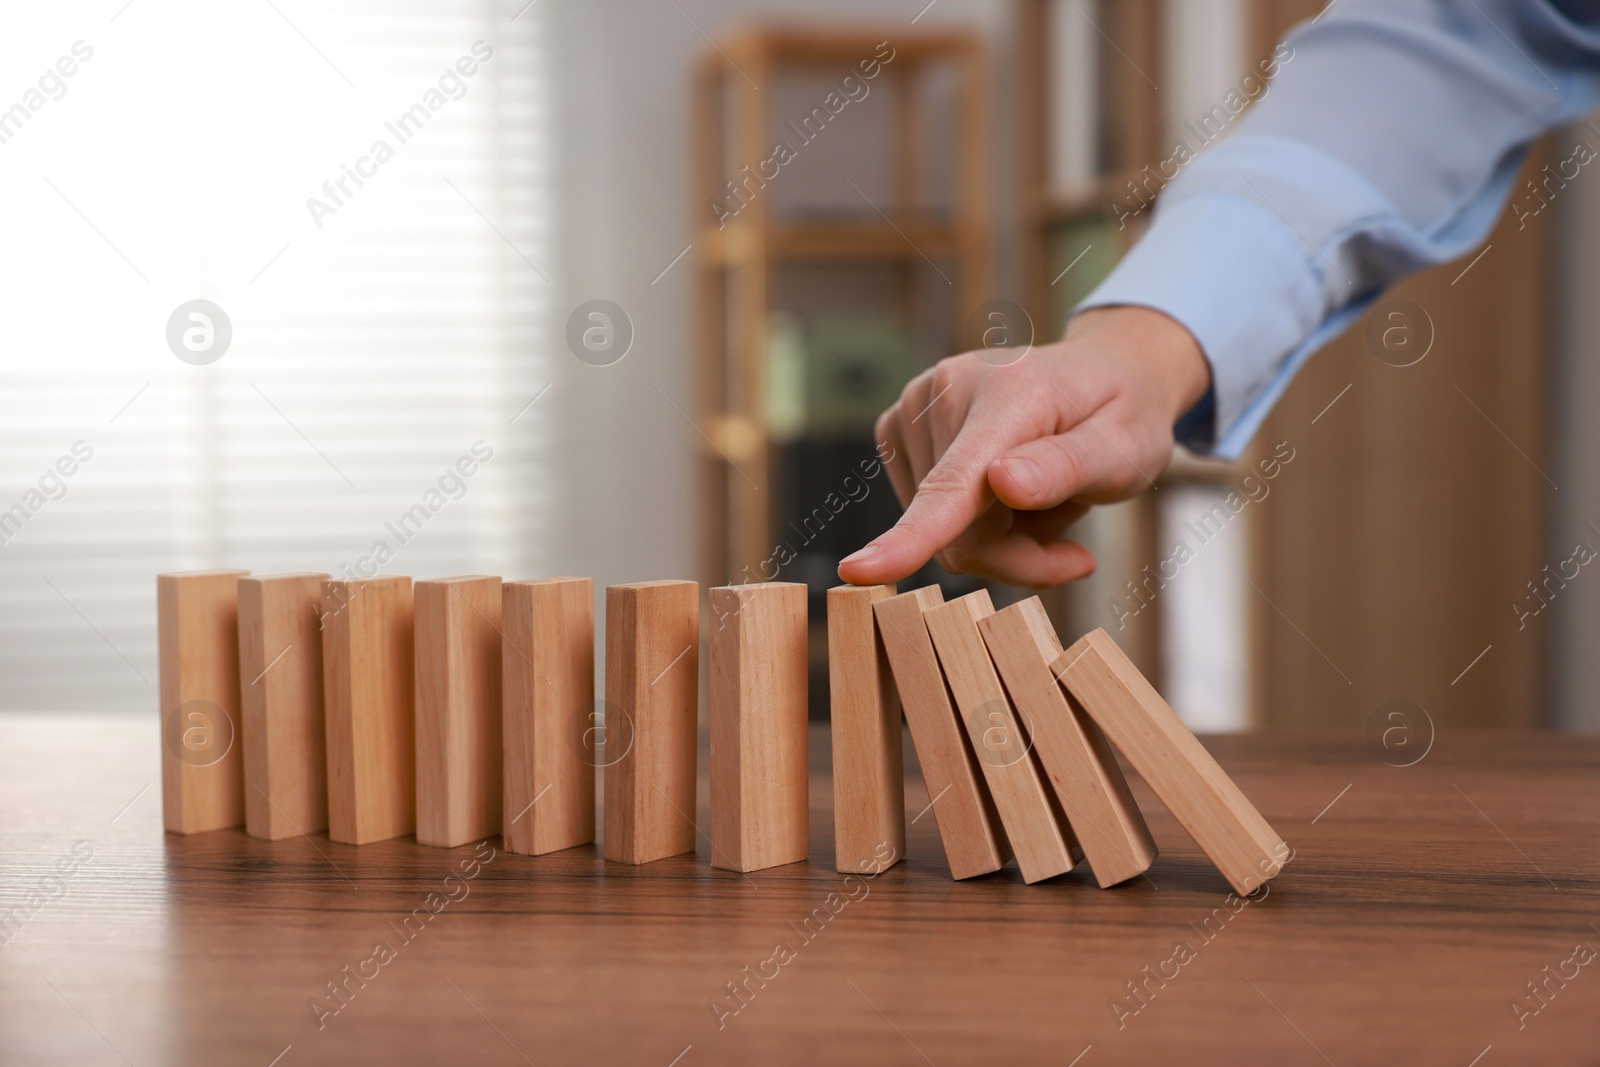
[1082,464]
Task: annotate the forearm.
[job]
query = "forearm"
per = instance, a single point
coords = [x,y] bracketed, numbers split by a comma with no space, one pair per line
[1388,142]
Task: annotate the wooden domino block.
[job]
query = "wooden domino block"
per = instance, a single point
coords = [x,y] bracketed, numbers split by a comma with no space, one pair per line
[652,719]
[1225,825]
[547,667]
[759,787]
[869,803]
[202,747]
[458,710]
[1076,758]
[280,696]
[367,693]
[974,841]
[1039,835]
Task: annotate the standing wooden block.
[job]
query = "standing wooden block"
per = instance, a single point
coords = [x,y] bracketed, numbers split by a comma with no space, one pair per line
[366,672]
[1225,825]
[1039,835]
[202,747]
[547,663]
[458,710]
[652,719]
[759,790]
[1075,756]
[869,801]
[285,736]
[974,841]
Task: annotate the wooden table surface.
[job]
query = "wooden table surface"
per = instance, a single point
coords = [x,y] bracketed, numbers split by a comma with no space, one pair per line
[1420,902]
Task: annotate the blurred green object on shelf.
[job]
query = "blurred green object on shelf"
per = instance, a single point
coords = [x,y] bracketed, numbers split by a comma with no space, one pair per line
[830,376]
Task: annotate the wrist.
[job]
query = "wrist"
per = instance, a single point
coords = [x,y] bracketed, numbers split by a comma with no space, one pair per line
[1166,354]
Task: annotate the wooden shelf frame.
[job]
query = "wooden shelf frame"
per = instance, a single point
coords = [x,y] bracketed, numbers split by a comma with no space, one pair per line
[735,264]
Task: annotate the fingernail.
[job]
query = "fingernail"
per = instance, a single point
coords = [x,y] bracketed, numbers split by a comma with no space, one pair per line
[1024,474]
[861,554]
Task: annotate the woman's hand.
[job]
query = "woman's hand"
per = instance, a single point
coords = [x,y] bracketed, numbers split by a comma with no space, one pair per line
[993,463]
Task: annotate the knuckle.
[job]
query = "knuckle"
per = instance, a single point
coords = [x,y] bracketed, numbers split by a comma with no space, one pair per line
[950,372]
[914,389]
[943,480]
[887,425]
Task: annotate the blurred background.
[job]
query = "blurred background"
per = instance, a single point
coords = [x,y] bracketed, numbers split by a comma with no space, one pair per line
[650,269]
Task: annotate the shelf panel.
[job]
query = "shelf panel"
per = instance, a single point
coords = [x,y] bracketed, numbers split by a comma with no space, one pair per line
[831,240]
[1098,201]
[808,45]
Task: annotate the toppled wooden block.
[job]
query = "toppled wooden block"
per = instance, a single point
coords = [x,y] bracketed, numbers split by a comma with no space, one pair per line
[1225,825]
[1040,837]
[974,841]
[1075,756]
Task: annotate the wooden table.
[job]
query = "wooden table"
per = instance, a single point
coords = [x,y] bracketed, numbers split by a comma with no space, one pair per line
[1419,903]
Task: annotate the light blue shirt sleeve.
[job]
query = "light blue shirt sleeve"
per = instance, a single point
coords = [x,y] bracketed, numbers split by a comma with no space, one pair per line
[1387,142]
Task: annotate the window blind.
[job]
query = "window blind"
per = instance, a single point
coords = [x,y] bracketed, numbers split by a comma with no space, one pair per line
[387,328]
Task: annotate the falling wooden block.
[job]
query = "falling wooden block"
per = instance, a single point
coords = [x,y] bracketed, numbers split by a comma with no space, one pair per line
[974,841]
[651,719]
[547,667]
[202,749]
[759,794]
[1176,766]
[869,804]
[367,693]
[458,710]
[280,696]
[1040,837]
[1075,756]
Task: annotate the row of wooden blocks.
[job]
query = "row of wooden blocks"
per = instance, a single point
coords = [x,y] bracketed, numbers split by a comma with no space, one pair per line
[459,708]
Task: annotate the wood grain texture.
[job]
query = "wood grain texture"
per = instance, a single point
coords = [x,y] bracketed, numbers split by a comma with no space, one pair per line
[1214,811]
[1378,538]
[1077,761]
[1039,833]
[202,742]
[459,753]
[974,841]
[652,716]
[1400,933]
[547,667]
[280,697]
[869,803]
[759,808]
[367,635]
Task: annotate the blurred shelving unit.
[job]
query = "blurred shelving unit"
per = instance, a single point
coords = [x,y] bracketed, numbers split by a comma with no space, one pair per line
[1091,124]
[1104,91]
[828,271]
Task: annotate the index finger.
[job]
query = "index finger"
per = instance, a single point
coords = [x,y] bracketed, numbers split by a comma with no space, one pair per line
[952,496]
